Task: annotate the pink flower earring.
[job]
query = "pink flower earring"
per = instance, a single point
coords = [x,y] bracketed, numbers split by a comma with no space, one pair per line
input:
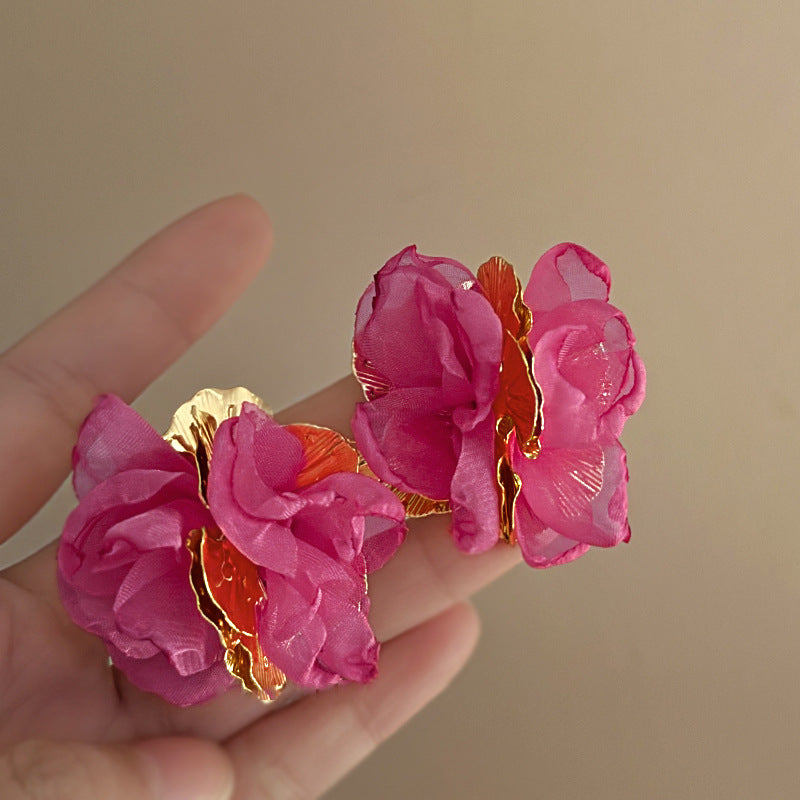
[501,406]
[232,549]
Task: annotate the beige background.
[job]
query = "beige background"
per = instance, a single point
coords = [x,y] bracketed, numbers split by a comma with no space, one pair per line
[662,135]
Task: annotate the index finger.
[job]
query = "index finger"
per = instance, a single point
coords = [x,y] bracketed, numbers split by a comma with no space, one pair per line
[117,337]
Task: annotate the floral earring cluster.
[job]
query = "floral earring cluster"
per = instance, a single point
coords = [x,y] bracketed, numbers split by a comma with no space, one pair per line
[234,550]
[502,406]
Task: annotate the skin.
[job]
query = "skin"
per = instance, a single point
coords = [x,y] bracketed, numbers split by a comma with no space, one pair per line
[73,727]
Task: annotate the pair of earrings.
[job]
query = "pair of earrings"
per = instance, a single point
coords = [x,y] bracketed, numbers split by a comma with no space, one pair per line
[236,550]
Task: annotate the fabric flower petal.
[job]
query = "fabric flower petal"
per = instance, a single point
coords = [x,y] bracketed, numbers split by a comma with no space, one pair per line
[590,376]
[292,632]
[158,675]
[350,649]
[158,581]
[252,513]
[564,274]
[473,496]
[408,293]
[542,546]
[315,626]
[114,439]
[356,518]
[99,536]
[580,493]
[409,440]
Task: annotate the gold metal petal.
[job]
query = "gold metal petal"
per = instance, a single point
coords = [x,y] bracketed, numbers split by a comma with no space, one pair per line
[509,484]
[229,592]
[326,452]
[518,405]
[417,505]
[194,424]
[503,290]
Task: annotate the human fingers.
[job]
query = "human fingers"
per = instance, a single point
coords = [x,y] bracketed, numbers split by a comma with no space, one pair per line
[302,751]
[117,337]
[428,574]
[157,769]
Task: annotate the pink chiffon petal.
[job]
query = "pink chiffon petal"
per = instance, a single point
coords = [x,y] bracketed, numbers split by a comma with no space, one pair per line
[353,519]
[98,537]
[570,417]
[274,453]
[158,675]
[165,526]
[453,272]
[260,462]
[252,513]
[156,603]
[382,537]
[564,274]
[473,496]
[579,493]
[631,397]
[94,613]
[406,299]
[591,378]
[318,569]
[114,439]
[407,441]
[541,546]
[291,633]
[315,627]
[350,649]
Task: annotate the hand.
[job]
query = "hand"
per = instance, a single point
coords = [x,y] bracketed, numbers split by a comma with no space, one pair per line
[71,727]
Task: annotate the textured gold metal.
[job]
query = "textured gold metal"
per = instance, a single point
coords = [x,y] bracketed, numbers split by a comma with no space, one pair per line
[325,451]
[417,505]
[229,592]
[194,424]
[518,405]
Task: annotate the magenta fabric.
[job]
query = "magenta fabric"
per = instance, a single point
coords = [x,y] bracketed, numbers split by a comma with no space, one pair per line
[432,360]
[574,495]
[123,567]
[429,337]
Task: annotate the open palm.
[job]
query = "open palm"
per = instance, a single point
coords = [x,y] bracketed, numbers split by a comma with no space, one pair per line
[70,726]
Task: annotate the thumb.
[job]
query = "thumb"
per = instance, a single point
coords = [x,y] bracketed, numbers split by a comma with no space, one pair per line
[156,769]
